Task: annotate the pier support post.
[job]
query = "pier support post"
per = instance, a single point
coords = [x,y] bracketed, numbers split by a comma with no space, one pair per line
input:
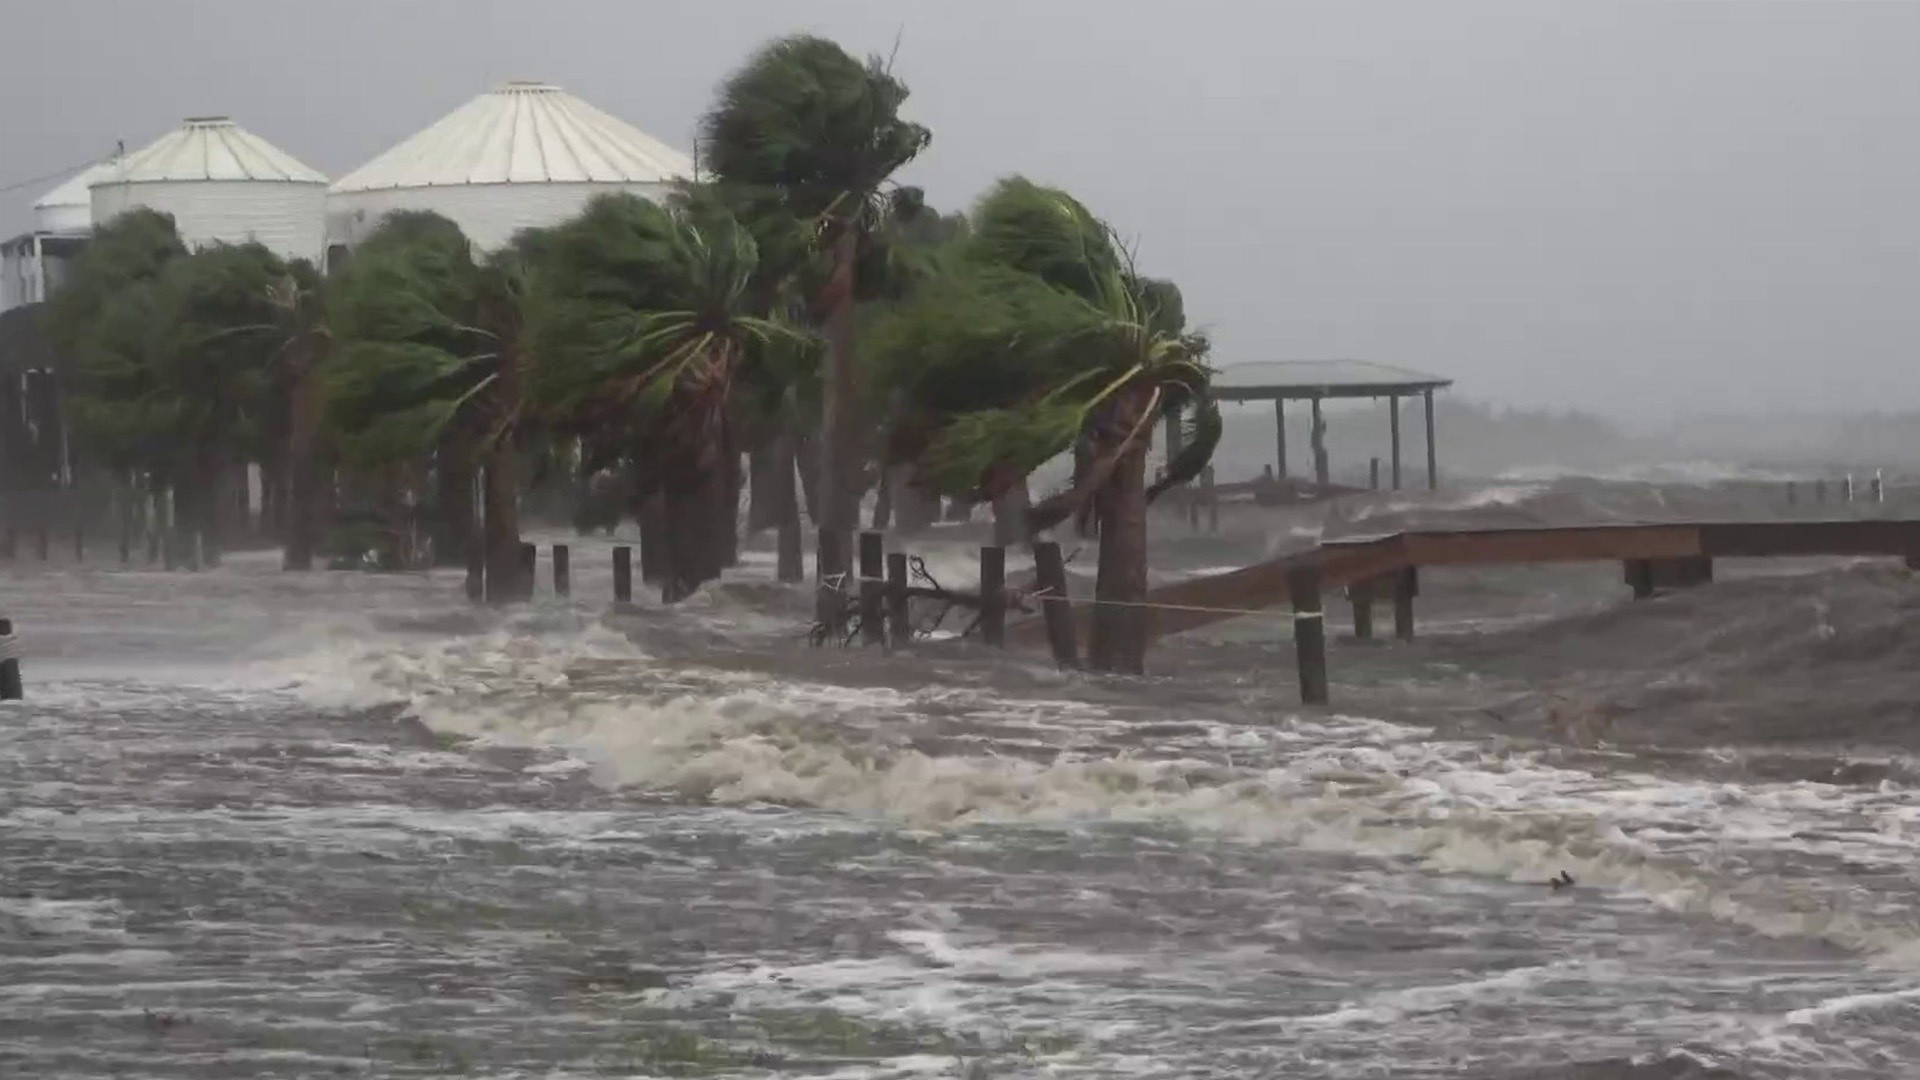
[1639,576]
[1309,633]
[1433,451]
[873,625]
[1406,586]
[1846,488]
[10,688]
[529,557]
[562,571]
[623,575]
[1393,426]
[1877,487]
[1373,474]
[1361,593]
[993,596]
[899,629]
[1050,574]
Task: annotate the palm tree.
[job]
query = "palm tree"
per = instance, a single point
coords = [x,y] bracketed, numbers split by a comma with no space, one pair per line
[806,120]
[1042,341]
[649,319]
[429,358]
[299,301]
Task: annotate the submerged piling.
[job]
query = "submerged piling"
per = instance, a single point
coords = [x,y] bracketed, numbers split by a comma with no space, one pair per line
[1406,586]
[529,561]
[993,596]
[10,688]
[1050,573]
[1309,633]
[562,571]
[899,629]
[623,575]
[1361,593]
[873,619]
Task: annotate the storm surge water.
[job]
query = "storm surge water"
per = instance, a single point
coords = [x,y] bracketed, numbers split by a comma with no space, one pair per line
[262,825]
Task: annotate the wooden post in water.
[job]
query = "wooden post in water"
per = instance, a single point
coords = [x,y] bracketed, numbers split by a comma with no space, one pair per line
[1393,426]
[1820,490]
[562,570]
[1406,586]
[1846,488]
[830,610]
[10,688]
[623,575]
[1050,573]
[1373,473]
[476,555]
[1877,487]
[529,557]
[1361,593]
[873,618]
[1309,633]
[1639,574]
[993,596]
[899,629]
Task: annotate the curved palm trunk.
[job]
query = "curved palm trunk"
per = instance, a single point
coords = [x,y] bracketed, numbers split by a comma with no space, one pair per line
[1120,629]
[453,477]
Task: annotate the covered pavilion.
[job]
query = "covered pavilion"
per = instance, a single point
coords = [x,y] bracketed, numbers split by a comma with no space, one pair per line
[1317,380]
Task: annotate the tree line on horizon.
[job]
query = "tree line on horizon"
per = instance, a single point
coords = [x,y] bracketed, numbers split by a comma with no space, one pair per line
[798,308]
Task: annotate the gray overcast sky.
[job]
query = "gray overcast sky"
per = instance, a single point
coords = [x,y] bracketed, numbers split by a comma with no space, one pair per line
[1641,208]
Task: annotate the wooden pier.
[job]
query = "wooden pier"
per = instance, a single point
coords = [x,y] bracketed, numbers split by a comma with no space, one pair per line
[1652,556]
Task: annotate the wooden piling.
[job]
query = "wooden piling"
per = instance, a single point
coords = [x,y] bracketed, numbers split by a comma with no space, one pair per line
[1639,576]
[1406,586]
[873,625]
[623,575]
[1309,633]
[1877,488]
[10,688]
[993,596]
[899,629]
[1361,593]
[1846,488]
[529,559]
[1820,490]
[562,570]
[1050,573]
[1373,474]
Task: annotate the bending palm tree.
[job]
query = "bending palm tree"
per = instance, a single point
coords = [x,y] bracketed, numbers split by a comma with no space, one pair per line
[646,329]
[805,120]
[1045,341]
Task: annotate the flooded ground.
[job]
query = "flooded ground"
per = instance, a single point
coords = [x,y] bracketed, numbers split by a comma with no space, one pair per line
[255,824]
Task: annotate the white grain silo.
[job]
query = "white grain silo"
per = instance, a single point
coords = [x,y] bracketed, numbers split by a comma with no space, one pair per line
[524,154]
[68,209]
[222,185]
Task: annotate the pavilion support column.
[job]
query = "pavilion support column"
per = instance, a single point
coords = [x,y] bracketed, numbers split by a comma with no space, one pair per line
[1320,468]
[1433,457]
[1280,436]
[1393,424]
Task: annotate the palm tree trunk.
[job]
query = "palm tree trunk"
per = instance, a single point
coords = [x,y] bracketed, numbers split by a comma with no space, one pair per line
[762,504]
[791,563]
[501,502]
[302,487]
[726,517]
[839,434]
[453,478]
[1119,628]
